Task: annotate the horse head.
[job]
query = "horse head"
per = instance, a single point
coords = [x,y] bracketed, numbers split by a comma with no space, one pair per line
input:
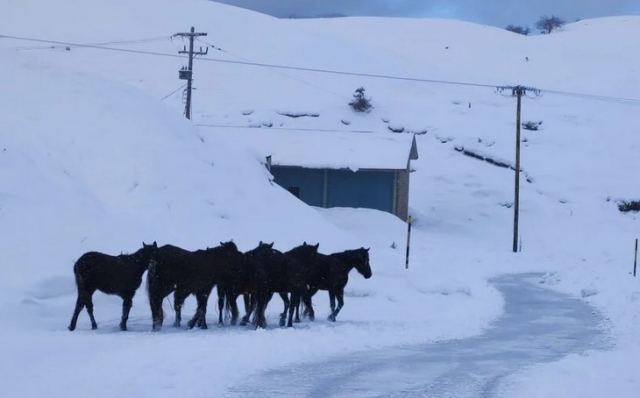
[145,255]
[306,250]
[361,262]
[228,246]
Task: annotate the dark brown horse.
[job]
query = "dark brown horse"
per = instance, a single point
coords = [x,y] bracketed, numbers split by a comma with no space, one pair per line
[331,273]
[185,272]
[120,275]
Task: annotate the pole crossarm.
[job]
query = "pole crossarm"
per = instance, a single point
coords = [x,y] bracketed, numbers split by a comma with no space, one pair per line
[514,91]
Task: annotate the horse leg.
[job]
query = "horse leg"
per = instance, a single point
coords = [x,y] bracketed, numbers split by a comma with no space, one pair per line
[126,307]
[231,300]
[221,296]
[332,303]
[202,303]
[287,304]
[155,302]
[297,317]
[196,318]
[76,312]
[261,306]
[308,310]
[295,301]
[178,301]
[248,308]
[258,300]
[340,297]
[88,302]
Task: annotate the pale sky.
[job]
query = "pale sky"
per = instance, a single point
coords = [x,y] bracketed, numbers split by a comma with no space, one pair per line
[490,12]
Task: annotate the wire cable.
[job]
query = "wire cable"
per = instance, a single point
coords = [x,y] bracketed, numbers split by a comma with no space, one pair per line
[276,72]
[320,70]
[133,41]
[174,91]
[250,63]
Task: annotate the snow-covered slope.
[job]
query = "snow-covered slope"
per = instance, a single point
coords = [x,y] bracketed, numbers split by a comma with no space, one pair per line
[95,155]
[89,163]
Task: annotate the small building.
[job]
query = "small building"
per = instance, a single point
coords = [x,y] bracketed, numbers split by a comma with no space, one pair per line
[340,169]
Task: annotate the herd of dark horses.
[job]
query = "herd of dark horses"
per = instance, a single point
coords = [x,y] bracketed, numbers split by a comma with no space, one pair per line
[295,275]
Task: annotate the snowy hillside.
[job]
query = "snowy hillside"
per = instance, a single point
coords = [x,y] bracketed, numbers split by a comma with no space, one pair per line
[95,155]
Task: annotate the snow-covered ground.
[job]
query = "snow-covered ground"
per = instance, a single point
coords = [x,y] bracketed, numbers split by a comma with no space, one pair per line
[93,156]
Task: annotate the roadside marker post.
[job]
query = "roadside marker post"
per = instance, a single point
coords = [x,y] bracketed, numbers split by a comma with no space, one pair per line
[409,222]
[635,259]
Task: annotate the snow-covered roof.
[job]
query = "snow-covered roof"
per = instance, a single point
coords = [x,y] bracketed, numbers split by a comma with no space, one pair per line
[332,150]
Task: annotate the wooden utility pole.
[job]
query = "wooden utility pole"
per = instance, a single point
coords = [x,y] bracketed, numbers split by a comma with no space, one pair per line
[518,92]
[186,73]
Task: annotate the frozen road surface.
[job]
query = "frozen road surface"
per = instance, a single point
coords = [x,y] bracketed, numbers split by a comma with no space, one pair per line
[538,325]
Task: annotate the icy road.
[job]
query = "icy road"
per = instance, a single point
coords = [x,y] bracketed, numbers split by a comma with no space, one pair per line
[538,325]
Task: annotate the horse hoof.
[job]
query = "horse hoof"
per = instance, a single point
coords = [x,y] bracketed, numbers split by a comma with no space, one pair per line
[332,318]
[94,327]
[312,318]
[204,327]
[123,328]
[297,320]
[176,324]
[282,323]
[71,328]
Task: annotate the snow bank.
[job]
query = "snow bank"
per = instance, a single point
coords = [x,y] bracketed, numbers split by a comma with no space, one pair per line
[90,164]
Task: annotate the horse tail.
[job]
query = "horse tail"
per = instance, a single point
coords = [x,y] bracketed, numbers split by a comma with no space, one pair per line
[79,281]
[79,268]
[227,304]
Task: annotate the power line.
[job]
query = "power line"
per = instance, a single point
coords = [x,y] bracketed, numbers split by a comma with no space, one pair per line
[133,41]
[94,46]
[250,63]
[320,70]
[279,73]
[591,96]
[173,92]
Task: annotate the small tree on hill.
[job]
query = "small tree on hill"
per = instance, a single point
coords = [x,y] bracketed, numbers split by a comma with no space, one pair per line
[547,24]
[522,30]
[360,102]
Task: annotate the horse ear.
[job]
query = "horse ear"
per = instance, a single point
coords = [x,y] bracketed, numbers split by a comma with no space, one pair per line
[271,245]
[367,249]
[317,246]
[155,244]
[221,243]
[304,243]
